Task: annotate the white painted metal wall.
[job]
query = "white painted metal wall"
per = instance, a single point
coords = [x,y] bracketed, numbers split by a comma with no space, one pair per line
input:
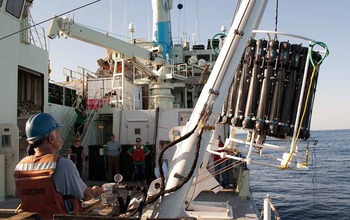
[9,136]
[15,53]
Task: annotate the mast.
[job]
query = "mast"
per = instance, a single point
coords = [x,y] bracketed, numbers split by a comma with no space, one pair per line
[209,103]
[161,25]
[110,16]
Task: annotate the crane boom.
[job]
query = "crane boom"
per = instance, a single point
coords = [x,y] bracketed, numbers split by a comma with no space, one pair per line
[66,27]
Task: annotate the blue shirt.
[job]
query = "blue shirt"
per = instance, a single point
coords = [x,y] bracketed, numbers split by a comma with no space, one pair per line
[67,180]
[113,148]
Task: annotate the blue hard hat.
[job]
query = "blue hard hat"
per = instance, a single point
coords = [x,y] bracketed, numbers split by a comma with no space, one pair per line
[40,125]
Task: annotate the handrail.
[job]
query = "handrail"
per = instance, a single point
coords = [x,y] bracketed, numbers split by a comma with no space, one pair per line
[68,121]
[268,207]
[72,74]
[90,117]
[31,34]
[88,120]
[86,73]
[39,38]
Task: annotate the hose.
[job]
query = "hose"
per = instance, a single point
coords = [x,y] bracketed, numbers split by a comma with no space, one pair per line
[212,40]
[201,122]
[160,161]
[315,66]
[324,55]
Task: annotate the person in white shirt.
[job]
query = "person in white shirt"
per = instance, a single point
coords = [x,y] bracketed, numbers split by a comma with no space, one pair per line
[113,151]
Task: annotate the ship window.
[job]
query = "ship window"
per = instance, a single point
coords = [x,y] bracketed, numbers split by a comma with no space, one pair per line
[14,7]
[137,131]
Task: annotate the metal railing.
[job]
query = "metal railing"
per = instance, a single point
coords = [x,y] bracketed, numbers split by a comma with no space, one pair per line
[87,125]
[90,117]
[32,35]
[68,121]
[268,207]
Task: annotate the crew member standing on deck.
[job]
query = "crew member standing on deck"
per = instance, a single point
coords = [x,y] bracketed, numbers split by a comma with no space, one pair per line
[79,153]
[138,154]
[113,151]
[47,183]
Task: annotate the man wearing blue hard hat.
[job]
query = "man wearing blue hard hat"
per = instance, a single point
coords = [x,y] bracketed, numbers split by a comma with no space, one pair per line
[47,183]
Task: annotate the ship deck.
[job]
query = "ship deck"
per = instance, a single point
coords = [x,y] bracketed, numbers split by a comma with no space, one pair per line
[241,208]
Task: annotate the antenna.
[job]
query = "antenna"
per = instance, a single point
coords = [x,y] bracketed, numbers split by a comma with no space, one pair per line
[148,24]
[124,19]
[110,16]
[197,22]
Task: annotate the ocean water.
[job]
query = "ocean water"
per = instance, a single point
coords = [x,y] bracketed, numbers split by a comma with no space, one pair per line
[322,192]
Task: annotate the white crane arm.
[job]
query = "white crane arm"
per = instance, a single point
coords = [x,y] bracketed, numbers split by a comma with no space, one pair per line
[68,28]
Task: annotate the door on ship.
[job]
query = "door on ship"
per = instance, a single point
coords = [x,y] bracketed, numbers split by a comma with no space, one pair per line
[30,100]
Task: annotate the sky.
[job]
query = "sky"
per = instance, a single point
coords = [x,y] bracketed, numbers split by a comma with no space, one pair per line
[322,20]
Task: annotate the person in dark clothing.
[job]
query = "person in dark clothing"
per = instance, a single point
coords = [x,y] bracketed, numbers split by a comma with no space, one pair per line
[78,150]
[79,121]
[138,154]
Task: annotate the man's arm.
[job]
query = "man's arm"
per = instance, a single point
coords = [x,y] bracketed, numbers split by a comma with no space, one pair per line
[130,151]
[68,182]
[91,192]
